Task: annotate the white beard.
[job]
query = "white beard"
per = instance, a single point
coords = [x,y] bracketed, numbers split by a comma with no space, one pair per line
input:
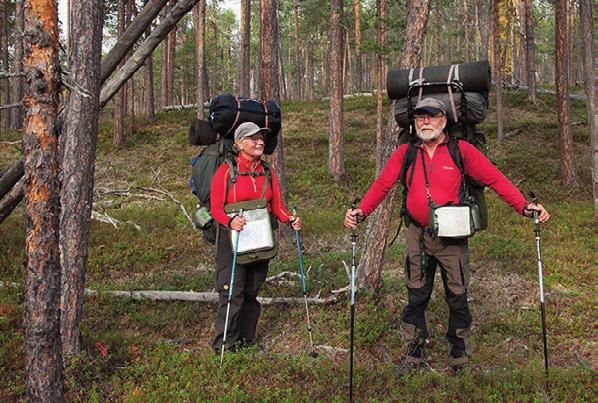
[429,136]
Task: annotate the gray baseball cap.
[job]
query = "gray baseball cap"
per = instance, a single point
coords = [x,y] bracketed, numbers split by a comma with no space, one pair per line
[248,129]
[430,105]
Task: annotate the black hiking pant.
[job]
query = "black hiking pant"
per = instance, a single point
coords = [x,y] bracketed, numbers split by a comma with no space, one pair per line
[451,255]
[244,308]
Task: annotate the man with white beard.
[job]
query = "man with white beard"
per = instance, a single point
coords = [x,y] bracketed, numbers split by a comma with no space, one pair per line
[435,179]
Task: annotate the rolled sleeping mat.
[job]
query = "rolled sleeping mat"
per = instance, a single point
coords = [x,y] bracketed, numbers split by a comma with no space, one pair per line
[228,111]
[201,133]
[474,76]
[476,108]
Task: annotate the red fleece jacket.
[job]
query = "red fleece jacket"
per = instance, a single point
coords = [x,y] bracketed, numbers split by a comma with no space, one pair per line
[444,178]
[246,187]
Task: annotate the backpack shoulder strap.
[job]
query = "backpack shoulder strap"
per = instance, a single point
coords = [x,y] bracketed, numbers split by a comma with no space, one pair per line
[408,160]
[268,173]
[455,152]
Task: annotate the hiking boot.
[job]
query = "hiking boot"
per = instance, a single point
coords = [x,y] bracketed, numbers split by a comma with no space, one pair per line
[408,368]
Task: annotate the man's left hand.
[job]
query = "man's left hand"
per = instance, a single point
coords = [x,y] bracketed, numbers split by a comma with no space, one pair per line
[295,223]
[543,215]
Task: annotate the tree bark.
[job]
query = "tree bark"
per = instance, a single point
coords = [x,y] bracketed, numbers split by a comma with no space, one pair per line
[358,80]
[129,37]
[130,14]
[171,61]
[568,167]
[587,50]
[4,83]
[144,50]
[164,66]
[244,48]
[271,82]
[200,61]
[40,141]
[149,72]
[297,79]
[119,101]
[78,153]
[498,76]
[336,148]
[370,266]
[467,30]
[530,51]
[17,113]
[382,14]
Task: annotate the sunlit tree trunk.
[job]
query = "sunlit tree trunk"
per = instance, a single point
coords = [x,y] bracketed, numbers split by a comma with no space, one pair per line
[382,14]
[149,80]
[271,81]
[587,50]
[467,30]
[17,113]
[568,167]
[358,81]
[336,148]
[40,146]
[530,51]
[119,100]
[164,66]
[77,153]
[370,265]
[199,13]
[498,76]
[4,83]
[171,62]
[244,48]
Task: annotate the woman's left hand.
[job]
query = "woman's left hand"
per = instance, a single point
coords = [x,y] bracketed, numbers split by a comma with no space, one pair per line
[295,223]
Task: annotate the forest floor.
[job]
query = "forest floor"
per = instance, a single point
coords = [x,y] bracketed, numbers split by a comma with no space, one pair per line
[159,351]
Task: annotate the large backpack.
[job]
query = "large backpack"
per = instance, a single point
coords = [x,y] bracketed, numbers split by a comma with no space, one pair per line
[464,111]
[203,167]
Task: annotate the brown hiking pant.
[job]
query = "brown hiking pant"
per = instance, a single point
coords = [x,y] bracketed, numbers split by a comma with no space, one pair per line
[244,308]
[453,258]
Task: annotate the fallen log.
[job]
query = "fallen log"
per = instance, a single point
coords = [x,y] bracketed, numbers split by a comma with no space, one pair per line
[11,177]
[12,199]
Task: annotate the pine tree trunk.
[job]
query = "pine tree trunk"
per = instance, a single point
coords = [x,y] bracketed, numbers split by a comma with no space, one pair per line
[336,148]
[498,76]
[439,30]
[216,65]
[467,30]
[40,143]
[4,83]
[164,66]
[587,50]
[171,62]
[382,15]
[370,266]
[78,151]
[119,101]
[530,52]
[17,113]
[271,82]
[358,80]
[309,74]
[148,77]
[568,167]
[200,46]
[130,98]
[297,73]
[244,48]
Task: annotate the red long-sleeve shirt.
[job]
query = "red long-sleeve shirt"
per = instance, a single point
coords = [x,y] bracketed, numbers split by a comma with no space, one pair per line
[246,187]
[444,178]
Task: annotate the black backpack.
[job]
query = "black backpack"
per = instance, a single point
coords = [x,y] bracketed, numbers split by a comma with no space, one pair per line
[203,167]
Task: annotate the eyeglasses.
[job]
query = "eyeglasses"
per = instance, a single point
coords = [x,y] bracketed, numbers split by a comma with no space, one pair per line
[421,116]
[255,138]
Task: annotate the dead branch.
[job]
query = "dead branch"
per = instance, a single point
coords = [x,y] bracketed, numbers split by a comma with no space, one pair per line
[330,349]
[105,218]
[11,143]
[69,83]
[347,269]
[212,297]
[513,133]
[341,290]
[281,276]
[171,197]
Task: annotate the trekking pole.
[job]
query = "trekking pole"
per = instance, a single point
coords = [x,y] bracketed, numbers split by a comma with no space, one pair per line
[230,289]
[540,278]
[353,256]
[300,258]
